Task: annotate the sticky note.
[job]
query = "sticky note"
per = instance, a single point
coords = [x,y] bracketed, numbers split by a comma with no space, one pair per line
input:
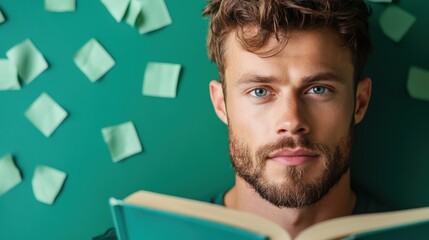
[122,140]
[395,22]
[117,8]
[134,9]
[45,114]
[93,60]
[2,19]
[8,76]
[155,15]
[60,5]
[418,83]
[47,183]
[27,59]
[160,79]
[9,174]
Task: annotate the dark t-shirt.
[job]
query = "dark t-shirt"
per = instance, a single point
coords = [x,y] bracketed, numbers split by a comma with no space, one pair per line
[364,204]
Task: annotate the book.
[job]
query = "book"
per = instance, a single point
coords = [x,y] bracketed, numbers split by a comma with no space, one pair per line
[149,215]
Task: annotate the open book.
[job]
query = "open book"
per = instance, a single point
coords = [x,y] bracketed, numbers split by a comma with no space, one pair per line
[147,215]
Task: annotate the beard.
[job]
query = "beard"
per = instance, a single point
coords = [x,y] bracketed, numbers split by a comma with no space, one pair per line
[295,188]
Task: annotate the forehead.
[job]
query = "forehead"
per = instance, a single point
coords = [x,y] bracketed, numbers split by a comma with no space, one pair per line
[304,51]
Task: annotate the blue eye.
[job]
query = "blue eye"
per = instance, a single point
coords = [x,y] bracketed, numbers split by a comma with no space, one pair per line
[319,90]
[259,92]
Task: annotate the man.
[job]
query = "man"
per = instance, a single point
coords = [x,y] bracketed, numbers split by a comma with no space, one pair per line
[291,92]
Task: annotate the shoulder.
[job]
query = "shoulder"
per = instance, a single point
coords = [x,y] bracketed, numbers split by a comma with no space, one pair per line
[365,203]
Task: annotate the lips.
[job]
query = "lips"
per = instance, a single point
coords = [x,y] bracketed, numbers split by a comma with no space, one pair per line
[293,157]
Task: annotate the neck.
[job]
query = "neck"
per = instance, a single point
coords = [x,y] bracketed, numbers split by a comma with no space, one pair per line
[339,202]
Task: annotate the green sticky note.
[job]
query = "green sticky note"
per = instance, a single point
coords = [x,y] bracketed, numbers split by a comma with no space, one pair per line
[29,62]
[45,114]
[155,15]
[395,22]
[117,8]
[418,83]
[9,174]
[47,183]
[160,79]
[122,140]
[2,19]
[8,76]
[60,5]
[134,9]
[93,60]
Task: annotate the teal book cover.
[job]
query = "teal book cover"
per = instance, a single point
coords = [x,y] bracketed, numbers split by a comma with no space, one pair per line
[138,222]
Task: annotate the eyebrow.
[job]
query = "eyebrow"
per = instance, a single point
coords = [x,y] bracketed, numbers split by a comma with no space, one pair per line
[323,76]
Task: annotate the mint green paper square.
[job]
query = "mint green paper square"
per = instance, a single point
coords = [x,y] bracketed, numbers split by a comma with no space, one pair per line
[9,174]
[29,62]
[60,5]
[160,79]
[47,183]
[396,22]
[2,19]
[45,114]
[134,9]
[418,83]
[93,60]
[122,140]
[155,15]
[117,8]
[8,76]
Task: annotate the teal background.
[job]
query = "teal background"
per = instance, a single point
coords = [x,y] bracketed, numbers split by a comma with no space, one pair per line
[185,148]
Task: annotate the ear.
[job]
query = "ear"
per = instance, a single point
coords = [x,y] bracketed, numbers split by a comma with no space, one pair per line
[218,100]
[363,94]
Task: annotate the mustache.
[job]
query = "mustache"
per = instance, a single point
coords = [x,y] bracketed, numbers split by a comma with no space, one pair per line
[287,142]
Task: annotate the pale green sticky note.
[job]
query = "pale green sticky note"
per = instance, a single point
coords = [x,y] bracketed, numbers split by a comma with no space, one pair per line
[45,114]
[9,174]
[395,22]
[134,9]
[122,140]
[2,19]
[418,83]
[47,183]
[29,62]
[60,5]
[117,8]
[8,76]
[160,79]
[93,60]
[155,15]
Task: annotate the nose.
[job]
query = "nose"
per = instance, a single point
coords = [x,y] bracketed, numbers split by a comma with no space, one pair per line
[291,116]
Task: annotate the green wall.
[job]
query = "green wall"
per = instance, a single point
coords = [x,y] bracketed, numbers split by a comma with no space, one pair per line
[185,148]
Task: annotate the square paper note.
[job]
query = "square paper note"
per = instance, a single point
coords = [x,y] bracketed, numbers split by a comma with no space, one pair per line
[160,79]
[45,114]
[395,22]
[8,76]
[28,61]
[47,183]
[122,140]
[9,174]
[60,5]
[93,60]
[1,17]
[155,15]
[418,83]
[117,8]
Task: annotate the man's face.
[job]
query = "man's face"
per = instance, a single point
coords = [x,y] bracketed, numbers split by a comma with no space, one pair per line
[290,116]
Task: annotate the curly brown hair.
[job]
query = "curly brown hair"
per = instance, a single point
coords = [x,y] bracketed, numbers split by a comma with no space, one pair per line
[348,18]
